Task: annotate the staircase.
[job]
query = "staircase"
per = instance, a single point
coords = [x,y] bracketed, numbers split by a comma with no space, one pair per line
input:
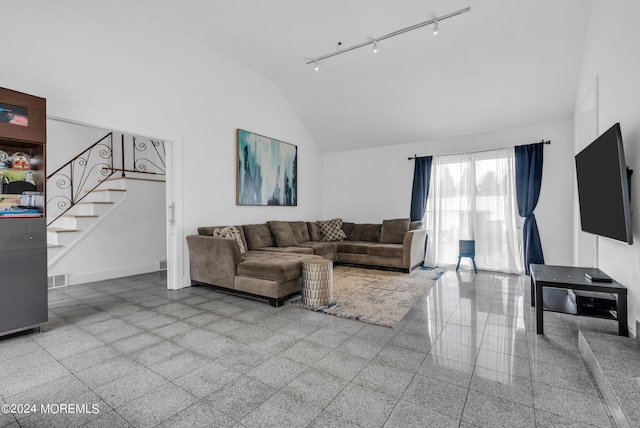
[73,226]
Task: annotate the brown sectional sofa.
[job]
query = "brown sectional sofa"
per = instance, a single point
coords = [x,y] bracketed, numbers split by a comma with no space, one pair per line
[272,264]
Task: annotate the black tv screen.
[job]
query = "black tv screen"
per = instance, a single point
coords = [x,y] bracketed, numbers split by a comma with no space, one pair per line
[603,187]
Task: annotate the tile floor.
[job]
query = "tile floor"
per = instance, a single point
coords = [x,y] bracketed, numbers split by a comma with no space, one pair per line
[466,355]
[615,364]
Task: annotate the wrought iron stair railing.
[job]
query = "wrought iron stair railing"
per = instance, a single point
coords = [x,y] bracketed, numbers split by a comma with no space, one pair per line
[78,178]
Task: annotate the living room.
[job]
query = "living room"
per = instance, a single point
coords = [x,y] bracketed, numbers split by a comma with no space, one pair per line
[136,73]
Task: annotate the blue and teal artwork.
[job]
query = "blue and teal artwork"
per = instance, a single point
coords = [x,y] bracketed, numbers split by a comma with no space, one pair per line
[267,171]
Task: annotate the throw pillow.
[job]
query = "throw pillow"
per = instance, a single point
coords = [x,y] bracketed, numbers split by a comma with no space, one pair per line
[393,231]
[206,231]
[331,230]
[230,232]
[314,232]
[258,236]
[283,233]
[300,231]
[348,228]
[365,232]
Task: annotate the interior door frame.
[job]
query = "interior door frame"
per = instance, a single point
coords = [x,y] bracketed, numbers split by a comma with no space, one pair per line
[173,196]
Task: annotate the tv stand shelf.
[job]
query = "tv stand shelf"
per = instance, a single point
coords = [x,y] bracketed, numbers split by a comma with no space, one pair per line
[565,277]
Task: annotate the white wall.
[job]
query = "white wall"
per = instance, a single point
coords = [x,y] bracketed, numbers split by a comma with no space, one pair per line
[105,64]
[66,140]
[611,55]
[375,184]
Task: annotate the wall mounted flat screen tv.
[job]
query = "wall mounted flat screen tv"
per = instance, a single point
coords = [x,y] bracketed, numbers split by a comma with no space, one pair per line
[604,187]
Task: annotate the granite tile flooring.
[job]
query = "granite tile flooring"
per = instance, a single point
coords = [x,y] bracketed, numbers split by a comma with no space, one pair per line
[615,364]
[129,352]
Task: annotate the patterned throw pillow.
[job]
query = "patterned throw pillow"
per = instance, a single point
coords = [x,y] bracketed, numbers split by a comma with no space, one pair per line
[230,232]
[331,230]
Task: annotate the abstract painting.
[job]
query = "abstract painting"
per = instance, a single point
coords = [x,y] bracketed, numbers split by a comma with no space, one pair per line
[267,171]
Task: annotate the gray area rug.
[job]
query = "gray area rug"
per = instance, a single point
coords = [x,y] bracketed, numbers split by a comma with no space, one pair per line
[375,296]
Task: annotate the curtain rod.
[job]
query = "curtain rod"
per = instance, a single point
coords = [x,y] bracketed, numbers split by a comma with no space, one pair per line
[464,153]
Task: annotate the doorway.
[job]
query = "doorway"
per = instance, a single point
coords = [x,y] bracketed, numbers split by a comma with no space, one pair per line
[136,232]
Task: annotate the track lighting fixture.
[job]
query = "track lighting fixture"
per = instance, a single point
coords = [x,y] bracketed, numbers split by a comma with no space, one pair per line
[375,41]
[316,68]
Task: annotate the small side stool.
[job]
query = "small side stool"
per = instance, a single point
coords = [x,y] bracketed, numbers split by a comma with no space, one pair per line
[317,282]
[467,249]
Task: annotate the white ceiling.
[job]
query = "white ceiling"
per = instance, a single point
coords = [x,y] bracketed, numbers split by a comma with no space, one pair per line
[504,64]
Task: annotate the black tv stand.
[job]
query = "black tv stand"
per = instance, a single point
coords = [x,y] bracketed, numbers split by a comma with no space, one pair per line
[566,277]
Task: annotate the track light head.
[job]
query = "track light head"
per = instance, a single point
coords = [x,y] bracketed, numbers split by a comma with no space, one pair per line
[375,46]
[316,67]
[435,27]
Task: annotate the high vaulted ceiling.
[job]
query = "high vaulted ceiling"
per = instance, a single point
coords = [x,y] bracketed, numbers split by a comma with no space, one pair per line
[504,64]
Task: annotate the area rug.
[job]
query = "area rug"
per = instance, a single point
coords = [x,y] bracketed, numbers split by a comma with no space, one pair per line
[375,296]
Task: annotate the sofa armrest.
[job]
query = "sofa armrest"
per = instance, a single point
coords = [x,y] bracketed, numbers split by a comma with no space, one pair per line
[213,260]
[413,248]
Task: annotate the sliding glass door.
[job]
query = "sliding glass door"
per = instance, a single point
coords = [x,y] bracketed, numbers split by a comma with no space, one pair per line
[472,196]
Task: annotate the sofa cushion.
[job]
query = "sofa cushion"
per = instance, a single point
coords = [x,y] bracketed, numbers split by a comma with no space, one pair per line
[331,230]
[355,247]
[415,225]
[365,232]
[275,267]
[205,231]
[282,232]
[386,250]
[300,231]
[314,231]
[230,232]
[393,231]
[320,248]
[258,236]
[348,228]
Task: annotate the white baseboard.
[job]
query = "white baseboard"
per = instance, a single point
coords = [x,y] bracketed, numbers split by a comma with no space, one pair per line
[82,278]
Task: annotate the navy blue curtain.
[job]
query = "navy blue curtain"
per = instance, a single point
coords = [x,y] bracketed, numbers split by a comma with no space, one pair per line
[420,192]
[528,181]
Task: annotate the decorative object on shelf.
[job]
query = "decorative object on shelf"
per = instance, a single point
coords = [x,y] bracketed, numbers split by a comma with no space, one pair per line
[20,160]
[14,115]
[4,159]
[375,41]
[22,212]
[267,171]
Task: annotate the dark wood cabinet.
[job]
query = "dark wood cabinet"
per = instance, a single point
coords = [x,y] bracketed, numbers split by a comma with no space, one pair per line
[23,233]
